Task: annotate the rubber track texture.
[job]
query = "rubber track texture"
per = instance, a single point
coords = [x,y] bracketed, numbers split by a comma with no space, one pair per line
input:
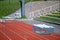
[16,30]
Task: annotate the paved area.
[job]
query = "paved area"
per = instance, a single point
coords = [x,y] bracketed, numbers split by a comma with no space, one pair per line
[16,14]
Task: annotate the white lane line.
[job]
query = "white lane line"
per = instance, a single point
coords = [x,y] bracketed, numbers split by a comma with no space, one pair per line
[17,34]
[33,35]
[24,32]
[8,36]
[5,35]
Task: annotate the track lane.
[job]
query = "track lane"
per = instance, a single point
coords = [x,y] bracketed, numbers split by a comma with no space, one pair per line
[54,37]
[3,36]
[11,34]
[25,30]
[34,34]
[18,29]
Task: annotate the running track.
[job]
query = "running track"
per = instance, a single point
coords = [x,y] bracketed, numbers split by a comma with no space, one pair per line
[16,30]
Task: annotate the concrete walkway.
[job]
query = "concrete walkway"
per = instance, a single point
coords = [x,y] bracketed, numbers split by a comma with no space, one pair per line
[16,14]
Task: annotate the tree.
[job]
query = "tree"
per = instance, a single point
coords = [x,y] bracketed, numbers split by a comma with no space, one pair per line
[45,0]
[1,0]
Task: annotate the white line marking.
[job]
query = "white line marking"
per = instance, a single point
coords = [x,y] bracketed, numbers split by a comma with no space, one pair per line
[33,35]
[5,35]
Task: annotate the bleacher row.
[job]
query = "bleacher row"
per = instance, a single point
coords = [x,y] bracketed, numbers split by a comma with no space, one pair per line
[15,30]
[35,9]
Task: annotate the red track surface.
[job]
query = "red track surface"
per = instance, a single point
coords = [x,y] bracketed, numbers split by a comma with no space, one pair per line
[14,30]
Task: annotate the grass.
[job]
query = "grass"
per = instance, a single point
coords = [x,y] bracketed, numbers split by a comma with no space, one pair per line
[52,18]
[23,17]
[54,15]
[9,6]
